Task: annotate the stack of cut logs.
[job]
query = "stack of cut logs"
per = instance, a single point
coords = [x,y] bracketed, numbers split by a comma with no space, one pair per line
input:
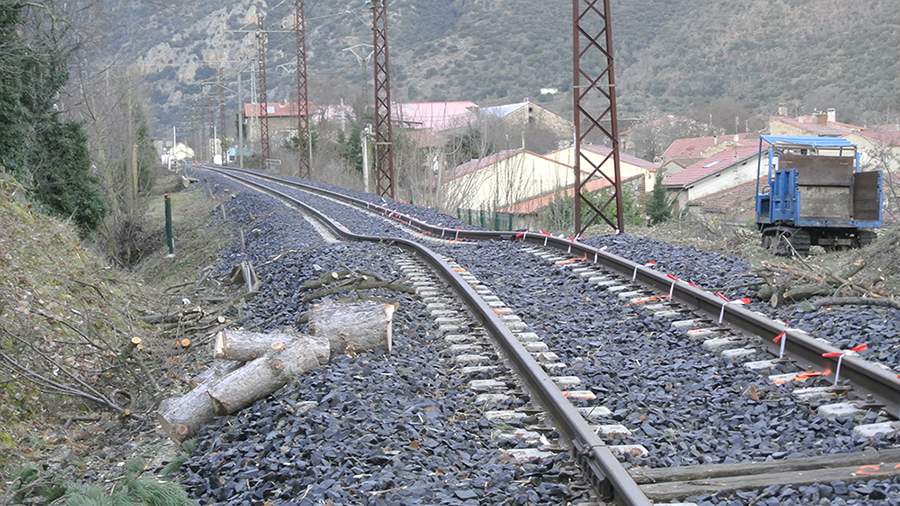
[249,366]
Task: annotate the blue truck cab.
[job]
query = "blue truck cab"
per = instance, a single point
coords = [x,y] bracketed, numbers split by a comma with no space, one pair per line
[810,192]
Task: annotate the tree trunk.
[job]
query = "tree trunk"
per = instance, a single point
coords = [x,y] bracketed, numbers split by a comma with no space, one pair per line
[182,417]
[802,292]
[355,327]
[266,374]
[246,346]
[219,369]
[860,301]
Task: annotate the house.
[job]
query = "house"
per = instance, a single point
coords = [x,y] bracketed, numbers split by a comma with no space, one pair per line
[524,183]
[282,120]
[629,166]
[683,153]
[879,149]
[817,124]
[730,167]
[434,116]
[502,179]
[528,115]
[735,204]
[232,154]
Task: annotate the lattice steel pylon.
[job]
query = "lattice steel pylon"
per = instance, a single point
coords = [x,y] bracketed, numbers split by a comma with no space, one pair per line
[222,123]
[593,60]
[384,156]
[304,140]
[263,104]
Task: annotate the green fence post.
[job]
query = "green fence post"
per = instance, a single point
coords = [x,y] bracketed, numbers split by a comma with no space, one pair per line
[169,239]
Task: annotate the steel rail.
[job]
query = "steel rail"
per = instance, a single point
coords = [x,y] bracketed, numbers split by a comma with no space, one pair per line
[607,476]
[870,378]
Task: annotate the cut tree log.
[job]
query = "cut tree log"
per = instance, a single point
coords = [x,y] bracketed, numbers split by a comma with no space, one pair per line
[217,371]
[803,292]
[859,301]
[182,417]
[246,346]
[353,327]
[266,374]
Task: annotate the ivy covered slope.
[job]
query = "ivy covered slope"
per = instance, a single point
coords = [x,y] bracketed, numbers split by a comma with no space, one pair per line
[43,151]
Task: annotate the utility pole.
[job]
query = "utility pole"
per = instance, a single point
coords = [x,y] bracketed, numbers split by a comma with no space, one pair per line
[592,17]
[384,157]
[263,112]
[304,137]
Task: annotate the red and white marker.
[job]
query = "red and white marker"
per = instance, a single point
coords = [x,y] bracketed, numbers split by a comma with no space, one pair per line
[740,302]
[651,263]
[783,338]
[546,235]
[840,357]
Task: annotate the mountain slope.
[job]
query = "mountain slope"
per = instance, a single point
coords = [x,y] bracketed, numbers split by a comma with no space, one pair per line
[673,56]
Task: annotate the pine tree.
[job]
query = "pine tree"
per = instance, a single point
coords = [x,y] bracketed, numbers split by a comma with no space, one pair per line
[659,206]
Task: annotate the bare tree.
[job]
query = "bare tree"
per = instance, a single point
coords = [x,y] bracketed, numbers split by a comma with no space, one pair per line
[883,158]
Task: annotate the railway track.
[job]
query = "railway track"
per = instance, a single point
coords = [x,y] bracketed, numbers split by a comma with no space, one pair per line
[698,314]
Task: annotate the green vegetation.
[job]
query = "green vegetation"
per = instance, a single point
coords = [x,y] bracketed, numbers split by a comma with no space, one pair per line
[659,205]
[560,214]
[32,485]
[46,153]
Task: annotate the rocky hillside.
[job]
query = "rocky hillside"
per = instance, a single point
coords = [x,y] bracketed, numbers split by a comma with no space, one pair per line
[702,57]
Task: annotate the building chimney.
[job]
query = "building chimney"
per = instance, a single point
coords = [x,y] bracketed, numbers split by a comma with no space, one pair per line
[830,115]
[782,109]
[820,118]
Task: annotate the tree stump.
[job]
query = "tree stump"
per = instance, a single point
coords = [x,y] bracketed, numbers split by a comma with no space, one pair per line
[353,327]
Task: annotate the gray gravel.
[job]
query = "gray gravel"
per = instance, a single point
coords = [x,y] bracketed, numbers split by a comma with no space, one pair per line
[355,444]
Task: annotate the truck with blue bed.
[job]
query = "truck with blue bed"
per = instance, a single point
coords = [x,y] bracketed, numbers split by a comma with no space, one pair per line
[810,191]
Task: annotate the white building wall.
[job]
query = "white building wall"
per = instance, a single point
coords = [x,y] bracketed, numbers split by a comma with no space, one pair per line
[737,174]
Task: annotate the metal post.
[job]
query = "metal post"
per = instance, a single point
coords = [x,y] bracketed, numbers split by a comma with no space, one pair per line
[596,52]
[265,152]
[240,124]
[384,157]
[170,241]
[364,142]
[304,139]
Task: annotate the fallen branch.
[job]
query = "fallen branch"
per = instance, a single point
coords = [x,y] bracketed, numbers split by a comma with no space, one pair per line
[857,301]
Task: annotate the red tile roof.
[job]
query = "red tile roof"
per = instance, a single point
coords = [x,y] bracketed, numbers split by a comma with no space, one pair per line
[886,137]
[436,116]
[694,147]
[830,128]
[710,165]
